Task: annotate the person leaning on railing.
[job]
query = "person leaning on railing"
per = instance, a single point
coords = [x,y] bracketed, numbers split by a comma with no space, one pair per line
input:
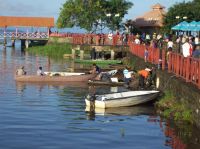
[187,48]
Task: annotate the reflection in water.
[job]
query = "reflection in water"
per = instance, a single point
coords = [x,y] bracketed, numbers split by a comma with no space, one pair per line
[174,139]
[92,111]
[21,86]
[134,110]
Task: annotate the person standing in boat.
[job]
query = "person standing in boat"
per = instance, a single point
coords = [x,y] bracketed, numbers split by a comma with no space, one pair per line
[20,71]
[40,72]
[127,75]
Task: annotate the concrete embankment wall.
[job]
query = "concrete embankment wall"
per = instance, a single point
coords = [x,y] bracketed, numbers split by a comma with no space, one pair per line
[184,92]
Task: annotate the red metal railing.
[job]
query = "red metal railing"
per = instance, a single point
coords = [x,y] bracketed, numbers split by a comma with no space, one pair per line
[187,68]
[93,39]
[139,50]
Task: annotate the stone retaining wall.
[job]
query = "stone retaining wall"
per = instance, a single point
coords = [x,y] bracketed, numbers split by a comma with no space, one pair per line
[184,92]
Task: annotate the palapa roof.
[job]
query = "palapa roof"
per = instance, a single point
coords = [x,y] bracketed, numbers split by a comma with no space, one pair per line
[153,18]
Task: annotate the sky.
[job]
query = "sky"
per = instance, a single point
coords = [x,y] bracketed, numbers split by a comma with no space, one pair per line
[51,8]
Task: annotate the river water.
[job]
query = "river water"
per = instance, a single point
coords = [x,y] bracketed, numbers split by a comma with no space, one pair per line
[54,116]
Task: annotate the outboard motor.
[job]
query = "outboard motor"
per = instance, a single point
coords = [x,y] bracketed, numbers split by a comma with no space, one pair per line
[91,97]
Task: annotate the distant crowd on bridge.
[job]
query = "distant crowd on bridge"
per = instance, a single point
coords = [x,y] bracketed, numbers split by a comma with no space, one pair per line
[96,39]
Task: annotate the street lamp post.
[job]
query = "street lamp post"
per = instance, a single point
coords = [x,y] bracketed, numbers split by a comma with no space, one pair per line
[109,15]
[181,18]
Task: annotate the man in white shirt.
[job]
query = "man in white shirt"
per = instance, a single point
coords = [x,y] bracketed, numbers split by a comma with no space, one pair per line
[186,47]
[170,44]
[39,72]
[127,75]
[137,41]
[196,40]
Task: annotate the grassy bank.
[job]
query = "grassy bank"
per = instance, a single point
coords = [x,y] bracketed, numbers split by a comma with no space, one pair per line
[51,50]
[169,107]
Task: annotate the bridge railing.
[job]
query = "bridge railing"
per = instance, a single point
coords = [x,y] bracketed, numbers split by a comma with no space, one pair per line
[139,50]
[24,35]
[188,68]
[93,39]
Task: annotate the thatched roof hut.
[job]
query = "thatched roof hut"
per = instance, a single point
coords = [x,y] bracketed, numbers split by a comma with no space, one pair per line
[151,21]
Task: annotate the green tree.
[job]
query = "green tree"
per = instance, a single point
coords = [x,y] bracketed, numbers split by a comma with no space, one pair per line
[90,14]
[185,11]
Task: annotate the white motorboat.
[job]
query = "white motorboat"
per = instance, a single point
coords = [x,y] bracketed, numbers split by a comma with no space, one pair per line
[121,99]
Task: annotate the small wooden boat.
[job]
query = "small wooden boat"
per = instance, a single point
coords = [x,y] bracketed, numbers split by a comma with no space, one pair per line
[62,73]
[121,99]
[108,83]
[98,61]
[70,78]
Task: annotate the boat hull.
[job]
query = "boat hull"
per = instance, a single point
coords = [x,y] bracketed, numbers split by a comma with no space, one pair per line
[73,78]
[123,101]
[99,83]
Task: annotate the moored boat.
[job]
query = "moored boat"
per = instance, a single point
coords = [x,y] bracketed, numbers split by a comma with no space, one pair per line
[46,78]
[121,99]
[98,61]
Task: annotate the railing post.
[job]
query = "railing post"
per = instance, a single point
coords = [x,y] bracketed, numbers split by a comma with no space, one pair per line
[187,69]
[5,40]
[16,33]
[178,65]
[170,62]
[163,59]
[27,34]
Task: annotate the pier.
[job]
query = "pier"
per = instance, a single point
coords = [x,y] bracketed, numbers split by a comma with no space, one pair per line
[26,37]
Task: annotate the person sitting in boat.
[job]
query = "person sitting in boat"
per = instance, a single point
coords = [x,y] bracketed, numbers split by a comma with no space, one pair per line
[95,69]
[40,72]
[127,75]
[143,75]
[20,71]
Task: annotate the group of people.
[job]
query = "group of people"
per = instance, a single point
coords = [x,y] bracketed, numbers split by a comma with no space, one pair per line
[21,71]
[183,44]
[146,77]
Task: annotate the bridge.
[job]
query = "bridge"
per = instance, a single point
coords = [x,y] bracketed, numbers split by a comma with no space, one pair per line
[25,22]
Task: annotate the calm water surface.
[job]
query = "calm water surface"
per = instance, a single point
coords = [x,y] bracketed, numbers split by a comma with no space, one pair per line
[54,116]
